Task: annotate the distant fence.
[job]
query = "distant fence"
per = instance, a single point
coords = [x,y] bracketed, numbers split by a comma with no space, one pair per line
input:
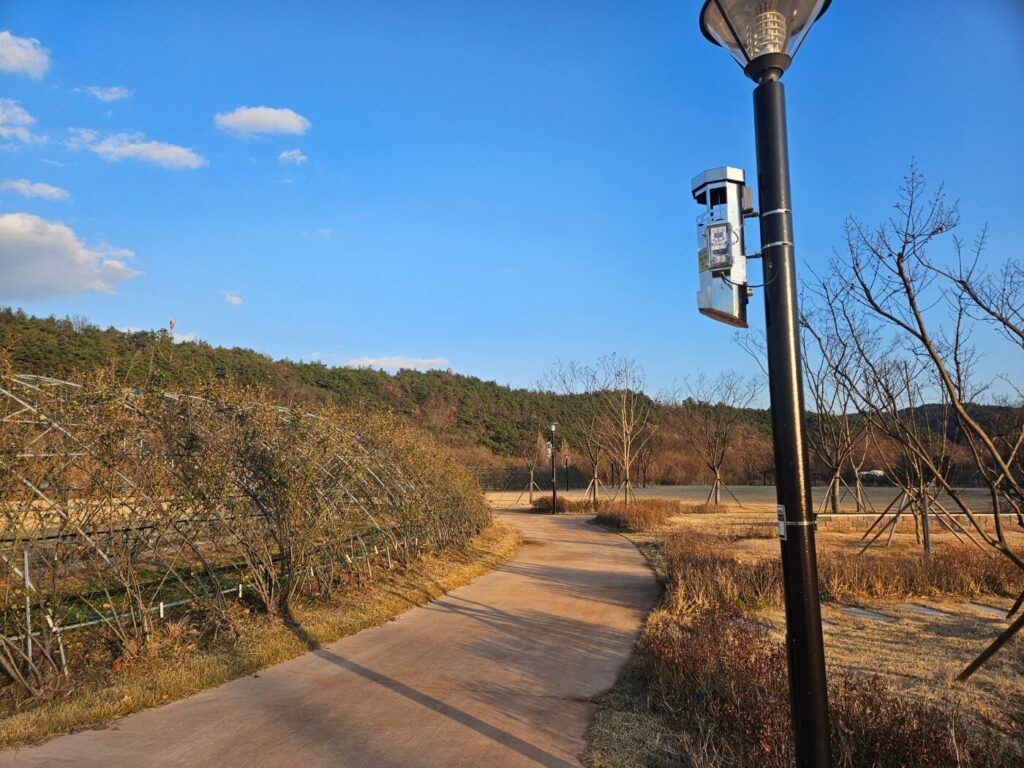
[517,477]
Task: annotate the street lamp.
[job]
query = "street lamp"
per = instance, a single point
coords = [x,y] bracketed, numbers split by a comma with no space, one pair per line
[763,36]
[554,479]
[565,457]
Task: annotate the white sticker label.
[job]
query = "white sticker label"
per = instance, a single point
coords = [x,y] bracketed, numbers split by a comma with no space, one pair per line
[782,522]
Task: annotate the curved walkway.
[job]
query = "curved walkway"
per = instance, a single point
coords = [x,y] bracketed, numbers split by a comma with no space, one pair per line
[501,672]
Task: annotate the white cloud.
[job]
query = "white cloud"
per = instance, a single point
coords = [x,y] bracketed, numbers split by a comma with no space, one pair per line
[135,146]
[246,121]
[394,362]
[232,298]
[40,259]
[15,122]
[292,157]
[106,92]
[325,232]
[23,56]
[185,338]
[27,188]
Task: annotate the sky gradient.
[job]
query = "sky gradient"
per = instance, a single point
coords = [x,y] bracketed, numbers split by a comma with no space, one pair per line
[480,186]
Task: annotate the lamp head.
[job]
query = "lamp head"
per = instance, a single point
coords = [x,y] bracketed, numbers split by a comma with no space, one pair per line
[762,35]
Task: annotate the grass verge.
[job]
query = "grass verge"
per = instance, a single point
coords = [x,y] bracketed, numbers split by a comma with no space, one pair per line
[707,686]
[172,667]
[647,514]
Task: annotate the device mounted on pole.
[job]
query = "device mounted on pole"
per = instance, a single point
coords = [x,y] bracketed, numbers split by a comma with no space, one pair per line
[721,252]
[763,36]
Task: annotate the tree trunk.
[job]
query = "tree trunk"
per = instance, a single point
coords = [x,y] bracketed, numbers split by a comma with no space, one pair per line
[836,484]
[718,487]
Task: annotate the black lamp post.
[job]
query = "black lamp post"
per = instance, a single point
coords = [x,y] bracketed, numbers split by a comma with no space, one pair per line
[554,479]
[763,36]
[565,458]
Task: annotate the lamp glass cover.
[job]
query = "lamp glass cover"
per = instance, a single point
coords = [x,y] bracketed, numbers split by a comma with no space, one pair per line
[752,28]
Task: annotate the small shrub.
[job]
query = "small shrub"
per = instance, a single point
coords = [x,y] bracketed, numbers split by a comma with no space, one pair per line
[638,515]
[563,506]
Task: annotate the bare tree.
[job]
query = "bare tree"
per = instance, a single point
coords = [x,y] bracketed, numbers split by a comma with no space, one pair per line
[624,415]
[581,418]
[909,320]
[535,453]
[610,416]
[708,415]
[835,432]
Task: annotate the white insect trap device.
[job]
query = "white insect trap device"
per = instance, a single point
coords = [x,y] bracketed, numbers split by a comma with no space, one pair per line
[721,256]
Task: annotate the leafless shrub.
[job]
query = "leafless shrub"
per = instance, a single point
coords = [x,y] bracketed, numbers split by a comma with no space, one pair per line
[564,506]
[125,504]
[638,515]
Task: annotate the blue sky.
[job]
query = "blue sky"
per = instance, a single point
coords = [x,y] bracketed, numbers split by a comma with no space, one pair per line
[481,186]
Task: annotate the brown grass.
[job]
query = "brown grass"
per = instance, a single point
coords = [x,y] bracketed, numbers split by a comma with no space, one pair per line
[184,661]
[639,515]
[564,505]
[953,569]
[708,685]
[721,673]
[707,566]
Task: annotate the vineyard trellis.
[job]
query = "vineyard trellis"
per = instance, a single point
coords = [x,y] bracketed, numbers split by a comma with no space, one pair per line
[119,504]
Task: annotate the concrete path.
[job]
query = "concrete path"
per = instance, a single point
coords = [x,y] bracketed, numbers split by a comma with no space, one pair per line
[501,672]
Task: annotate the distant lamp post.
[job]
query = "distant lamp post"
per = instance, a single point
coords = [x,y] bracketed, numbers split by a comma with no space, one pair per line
[565,457]
[554,479]
[763,36]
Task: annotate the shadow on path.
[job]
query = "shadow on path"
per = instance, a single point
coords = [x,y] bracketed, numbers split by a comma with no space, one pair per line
[436,705]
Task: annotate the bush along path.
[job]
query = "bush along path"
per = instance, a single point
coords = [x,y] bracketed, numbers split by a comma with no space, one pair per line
[146,532]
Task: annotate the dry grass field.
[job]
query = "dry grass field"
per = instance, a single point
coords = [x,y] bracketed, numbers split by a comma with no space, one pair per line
[894,695]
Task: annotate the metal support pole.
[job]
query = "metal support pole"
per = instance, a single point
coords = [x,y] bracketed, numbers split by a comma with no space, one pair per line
[566,473]
[554,479]
[805,649]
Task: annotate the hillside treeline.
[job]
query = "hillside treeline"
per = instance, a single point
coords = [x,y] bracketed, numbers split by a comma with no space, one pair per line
[484,419]
[485,423]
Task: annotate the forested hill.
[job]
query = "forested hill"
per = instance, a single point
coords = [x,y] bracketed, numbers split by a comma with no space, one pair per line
[463,410]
